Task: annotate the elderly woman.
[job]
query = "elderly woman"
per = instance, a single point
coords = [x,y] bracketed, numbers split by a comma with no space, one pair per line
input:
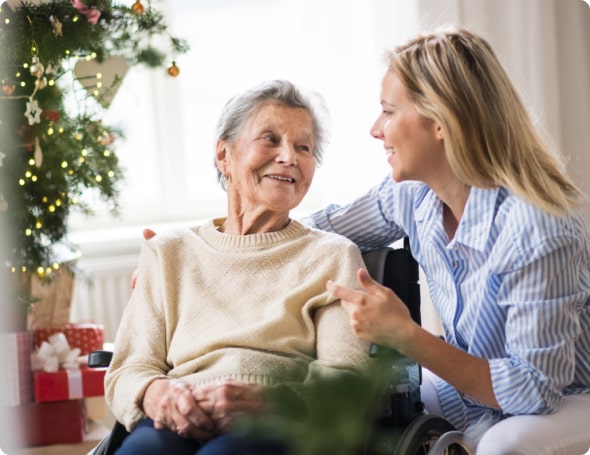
[223,310]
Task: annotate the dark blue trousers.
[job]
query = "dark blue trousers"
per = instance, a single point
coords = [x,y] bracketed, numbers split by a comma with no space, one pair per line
[146,440]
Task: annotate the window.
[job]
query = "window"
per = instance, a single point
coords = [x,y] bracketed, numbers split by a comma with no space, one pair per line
[331,47]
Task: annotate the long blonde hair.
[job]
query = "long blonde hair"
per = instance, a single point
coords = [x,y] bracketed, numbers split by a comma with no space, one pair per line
[455,78]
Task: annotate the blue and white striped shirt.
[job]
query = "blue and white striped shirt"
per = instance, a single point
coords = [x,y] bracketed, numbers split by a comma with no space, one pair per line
[512,286]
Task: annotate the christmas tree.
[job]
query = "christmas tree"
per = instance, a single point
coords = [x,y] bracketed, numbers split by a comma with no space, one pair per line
[52,153]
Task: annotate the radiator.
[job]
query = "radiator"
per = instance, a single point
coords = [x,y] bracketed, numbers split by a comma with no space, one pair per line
[101,291]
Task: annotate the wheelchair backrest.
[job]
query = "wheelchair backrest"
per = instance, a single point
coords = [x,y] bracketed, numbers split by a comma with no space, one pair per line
[399,271]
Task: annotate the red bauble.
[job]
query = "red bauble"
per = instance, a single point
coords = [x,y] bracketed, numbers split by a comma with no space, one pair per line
[52,115]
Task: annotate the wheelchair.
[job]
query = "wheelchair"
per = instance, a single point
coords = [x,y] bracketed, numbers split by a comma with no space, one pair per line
[412,431]
[401,416]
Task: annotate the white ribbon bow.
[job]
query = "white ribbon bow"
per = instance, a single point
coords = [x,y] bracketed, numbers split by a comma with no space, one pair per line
[55,354]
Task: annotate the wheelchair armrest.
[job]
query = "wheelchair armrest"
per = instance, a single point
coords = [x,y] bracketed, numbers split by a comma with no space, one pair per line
[97,359]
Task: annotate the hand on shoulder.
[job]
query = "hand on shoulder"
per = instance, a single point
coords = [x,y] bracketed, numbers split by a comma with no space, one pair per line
[147,234]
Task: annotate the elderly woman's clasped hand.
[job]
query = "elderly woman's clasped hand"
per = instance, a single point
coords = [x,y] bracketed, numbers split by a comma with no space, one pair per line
[227,402]
[170,404]
[200,412]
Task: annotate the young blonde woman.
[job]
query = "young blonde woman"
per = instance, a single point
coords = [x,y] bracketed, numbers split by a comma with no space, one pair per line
[496,226]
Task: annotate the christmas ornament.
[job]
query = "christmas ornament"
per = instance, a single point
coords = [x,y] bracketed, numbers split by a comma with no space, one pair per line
[56,25]
[51,70]
[174,70]
[52,115]
[101,79]
[41,83]
[36,69]
[138,7]
[106,138]
[92,13]
[8,89]
[33,112]
[38,153]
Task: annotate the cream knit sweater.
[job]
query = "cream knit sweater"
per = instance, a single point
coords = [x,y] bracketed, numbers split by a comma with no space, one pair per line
[209,306]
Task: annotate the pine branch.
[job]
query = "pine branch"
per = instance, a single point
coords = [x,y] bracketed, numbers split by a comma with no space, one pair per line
[51,160]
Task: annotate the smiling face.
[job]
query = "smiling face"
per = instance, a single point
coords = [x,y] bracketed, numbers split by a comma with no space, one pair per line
[413,143]
[270,167]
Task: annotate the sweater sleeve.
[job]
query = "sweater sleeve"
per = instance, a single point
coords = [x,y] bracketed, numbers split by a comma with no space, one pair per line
[140,344]
[336,346]
[341,359]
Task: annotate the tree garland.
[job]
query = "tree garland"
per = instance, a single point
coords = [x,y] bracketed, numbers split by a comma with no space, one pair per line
[50,157]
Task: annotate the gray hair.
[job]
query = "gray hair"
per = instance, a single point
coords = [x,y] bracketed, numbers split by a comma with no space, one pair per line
[240,108]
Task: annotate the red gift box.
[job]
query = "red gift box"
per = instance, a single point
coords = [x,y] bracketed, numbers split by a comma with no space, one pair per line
[36,424]
[15,374]
[68,384]
[86,337]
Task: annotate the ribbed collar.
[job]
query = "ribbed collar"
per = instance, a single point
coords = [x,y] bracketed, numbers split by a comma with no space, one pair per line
[221,240]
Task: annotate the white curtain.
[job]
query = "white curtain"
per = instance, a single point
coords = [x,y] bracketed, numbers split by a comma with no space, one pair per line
[545,46]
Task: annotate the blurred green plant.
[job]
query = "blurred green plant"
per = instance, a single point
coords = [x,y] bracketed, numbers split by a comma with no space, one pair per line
[338,415]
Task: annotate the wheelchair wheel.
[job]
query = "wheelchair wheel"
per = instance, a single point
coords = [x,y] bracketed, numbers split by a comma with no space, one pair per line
[422,433]
[449,440]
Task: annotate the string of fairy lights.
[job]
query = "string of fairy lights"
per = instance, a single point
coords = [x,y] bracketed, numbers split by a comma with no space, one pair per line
[49,157]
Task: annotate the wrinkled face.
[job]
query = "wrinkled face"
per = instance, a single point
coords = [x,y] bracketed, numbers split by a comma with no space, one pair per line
[270,167]
[413,143]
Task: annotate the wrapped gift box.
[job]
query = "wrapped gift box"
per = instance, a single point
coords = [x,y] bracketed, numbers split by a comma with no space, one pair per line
[68,384]
[37,424]
[15,374]
[86,337]
[52,300]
